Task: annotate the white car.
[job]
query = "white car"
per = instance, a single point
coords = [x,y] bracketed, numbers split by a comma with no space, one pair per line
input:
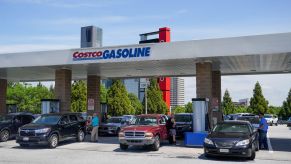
[271,119]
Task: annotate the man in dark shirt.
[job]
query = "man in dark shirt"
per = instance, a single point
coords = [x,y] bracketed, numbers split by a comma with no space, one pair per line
[169,125]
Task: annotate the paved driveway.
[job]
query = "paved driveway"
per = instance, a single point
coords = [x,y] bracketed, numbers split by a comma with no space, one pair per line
[107,151]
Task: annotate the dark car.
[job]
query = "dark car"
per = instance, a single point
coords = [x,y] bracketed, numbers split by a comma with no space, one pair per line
[183,123]
[231,117]
[254,120]
[50,129]
[232,138]
[10,123]
[114,124]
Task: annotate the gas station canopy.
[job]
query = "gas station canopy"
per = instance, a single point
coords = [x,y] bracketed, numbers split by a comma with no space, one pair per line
[261,54]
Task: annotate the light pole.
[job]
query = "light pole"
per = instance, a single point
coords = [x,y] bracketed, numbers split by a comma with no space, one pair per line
[144,83]
[146,100]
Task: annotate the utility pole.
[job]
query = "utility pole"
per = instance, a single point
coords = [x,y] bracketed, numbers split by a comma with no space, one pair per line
[145,94]
[146,100]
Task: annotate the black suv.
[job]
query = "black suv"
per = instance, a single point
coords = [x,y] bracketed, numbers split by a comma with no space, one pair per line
[10,123]
[49,129]
[183,123]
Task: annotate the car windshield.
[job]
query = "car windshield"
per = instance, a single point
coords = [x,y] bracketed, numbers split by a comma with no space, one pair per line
[127,118]
[183,118]
[5,119]
[114,120]
[252,120]
[231,128]
[146,121]
[267,116]
[232,117]
[84,116]
[47,119]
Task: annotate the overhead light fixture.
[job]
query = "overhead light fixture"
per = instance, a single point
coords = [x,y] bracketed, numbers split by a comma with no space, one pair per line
[285,71]
[253,70]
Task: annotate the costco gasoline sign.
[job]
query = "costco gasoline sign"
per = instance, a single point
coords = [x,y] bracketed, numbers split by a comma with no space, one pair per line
[113,54]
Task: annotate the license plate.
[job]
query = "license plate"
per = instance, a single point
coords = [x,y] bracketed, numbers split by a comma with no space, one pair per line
[224,150]
[25,139]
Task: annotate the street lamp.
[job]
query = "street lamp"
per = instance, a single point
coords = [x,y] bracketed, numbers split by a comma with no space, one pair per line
[144,83]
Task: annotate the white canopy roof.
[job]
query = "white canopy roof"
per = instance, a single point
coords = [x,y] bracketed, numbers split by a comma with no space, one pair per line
[261,54]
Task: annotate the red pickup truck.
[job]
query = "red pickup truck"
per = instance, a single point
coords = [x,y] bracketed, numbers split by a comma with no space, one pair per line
[148,130]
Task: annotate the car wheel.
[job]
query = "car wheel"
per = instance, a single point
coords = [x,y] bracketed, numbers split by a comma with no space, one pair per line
[276,124]
[80,136]
[53,141]
[4,135]
[156,145]
[257,146]
[271,124]
[123,147]
[206,155]
[253,156]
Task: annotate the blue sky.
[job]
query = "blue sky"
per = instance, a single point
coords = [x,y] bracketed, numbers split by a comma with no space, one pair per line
[28,25]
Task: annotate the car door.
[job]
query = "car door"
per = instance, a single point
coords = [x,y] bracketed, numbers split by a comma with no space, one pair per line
[64,127]
[254,135]
[74,125]
[26,119]
[16,123]
[163,128]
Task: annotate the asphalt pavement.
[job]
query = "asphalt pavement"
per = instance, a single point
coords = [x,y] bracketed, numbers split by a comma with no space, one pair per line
[107,151]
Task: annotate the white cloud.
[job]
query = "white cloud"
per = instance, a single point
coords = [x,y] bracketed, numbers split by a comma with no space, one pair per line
[81,21]
[42,38]
[32,47]
[222,31]
[190,88]
[101,19]
[275,87]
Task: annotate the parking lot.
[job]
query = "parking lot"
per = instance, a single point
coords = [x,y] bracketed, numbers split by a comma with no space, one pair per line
[107,151]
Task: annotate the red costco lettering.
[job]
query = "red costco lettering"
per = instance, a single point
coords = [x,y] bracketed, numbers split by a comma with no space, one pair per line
[87,54]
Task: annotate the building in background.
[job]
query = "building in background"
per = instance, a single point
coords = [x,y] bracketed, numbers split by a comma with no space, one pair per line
[131,85]
[242,102]
[177,92]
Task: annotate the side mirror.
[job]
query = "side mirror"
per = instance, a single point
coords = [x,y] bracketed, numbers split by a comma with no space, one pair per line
[255,130]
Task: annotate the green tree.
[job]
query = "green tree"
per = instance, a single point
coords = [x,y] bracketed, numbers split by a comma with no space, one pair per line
[118,101]
[179,109]
[285,112]
[227,105]
[52,89]
[258,103]
[79,96]
[103,94]
[274,110]
[240,109]
[188,107]
[28,97]
[136,104]
[155,100]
